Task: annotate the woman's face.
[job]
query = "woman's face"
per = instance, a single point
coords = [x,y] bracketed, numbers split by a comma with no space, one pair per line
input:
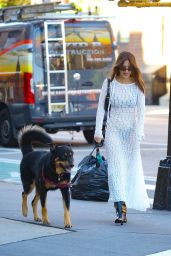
[125,70]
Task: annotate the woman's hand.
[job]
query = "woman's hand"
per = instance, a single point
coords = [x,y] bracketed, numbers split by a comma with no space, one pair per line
[98,140]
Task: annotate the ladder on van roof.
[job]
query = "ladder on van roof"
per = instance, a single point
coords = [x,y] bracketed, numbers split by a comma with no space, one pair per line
[26,12]
[57,83]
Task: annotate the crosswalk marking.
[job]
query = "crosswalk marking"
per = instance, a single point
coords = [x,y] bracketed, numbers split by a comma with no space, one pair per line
[150,187]
[164,253]
[9,161]
[150,178]
[151,200]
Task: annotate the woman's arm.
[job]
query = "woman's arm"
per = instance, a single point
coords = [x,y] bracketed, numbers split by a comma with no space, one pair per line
[140,115]
[100,112]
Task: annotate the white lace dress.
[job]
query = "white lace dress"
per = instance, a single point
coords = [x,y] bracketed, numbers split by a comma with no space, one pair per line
[124,131]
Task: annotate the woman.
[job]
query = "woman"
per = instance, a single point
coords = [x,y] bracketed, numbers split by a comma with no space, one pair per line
[124,131]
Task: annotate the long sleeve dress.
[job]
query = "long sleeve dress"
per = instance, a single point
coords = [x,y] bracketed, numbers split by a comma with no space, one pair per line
[124,131]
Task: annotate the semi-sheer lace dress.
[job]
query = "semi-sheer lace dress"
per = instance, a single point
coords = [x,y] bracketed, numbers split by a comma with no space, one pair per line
[124,131]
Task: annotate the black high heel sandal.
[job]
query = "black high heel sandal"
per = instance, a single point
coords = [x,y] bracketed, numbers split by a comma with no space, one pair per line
[120,212]
[124,211]
[118,206]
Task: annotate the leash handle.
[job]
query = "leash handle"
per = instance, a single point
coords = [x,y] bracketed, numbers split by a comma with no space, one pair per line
[97,145]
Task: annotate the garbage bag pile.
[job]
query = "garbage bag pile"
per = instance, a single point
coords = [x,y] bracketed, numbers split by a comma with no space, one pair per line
[91,179]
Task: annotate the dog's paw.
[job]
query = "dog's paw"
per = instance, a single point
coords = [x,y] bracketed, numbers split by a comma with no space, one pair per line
[38,219]
[24,214]
[46,222]
[69,225]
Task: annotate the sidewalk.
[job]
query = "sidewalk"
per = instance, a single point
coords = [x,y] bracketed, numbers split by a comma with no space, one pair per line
[93,232]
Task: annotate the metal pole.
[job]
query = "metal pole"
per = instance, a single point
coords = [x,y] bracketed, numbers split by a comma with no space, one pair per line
[169,128]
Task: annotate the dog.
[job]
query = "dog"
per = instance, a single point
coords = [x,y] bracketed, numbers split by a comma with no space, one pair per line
[44,171]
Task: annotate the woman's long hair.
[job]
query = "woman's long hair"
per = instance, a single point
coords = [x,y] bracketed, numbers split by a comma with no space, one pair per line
[135,73]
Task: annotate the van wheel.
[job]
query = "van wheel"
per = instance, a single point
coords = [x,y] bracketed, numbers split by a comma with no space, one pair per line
[6,136]
[89,136]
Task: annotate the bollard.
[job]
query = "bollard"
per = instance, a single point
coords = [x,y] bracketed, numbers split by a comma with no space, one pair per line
[162,196]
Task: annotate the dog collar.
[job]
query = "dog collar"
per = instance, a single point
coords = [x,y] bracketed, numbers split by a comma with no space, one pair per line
[56,184]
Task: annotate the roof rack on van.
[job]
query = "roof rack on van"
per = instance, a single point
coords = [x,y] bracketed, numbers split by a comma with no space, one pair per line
[74,16]
[24,12]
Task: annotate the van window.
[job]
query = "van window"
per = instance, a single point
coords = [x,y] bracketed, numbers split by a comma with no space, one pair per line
[39,46]
[56,61]
[89,45]
[8,38]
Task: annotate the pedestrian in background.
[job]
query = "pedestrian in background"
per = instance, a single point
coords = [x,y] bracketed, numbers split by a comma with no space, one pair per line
[124,132]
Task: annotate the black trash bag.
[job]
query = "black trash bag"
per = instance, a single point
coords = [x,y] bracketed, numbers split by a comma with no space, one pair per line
[91,179]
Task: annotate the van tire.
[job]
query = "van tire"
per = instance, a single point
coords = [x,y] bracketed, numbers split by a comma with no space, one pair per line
[89,136]
[6,136]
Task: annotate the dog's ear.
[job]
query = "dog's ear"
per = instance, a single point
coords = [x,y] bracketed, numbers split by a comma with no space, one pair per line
[68,144]
[52,146]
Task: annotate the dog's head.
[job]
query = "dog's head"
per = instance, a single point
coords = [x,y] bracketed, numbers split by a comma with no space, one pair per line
[62,158]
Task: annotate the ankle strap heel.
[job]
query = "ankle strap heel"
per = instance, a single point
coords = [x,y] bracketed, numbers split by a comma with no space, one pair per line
[121,212]
[118,206]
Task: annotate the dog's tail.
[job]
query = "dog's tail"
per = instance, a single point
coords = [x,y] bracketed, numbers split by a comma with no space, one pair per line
[32,133]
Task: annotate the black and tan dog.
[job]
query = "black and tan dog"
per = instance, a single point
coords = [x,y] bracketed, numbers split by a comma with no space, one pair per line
[44,171]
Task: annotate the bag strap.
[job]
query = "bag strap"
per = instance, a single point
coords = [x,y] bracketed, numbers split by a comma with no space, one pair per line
[108,92]
[108,87]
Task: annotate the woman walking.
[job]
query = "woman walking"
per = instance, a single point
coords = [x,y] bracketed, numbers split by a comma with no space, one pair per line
[124,132]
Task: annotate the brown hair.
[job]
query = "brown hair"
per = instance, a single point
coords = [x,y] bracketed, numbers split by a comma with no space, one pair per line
[123,56]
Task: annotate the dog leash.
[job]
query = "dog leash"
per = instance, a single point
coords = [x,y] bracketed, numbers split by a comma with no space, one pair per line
[97,145]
